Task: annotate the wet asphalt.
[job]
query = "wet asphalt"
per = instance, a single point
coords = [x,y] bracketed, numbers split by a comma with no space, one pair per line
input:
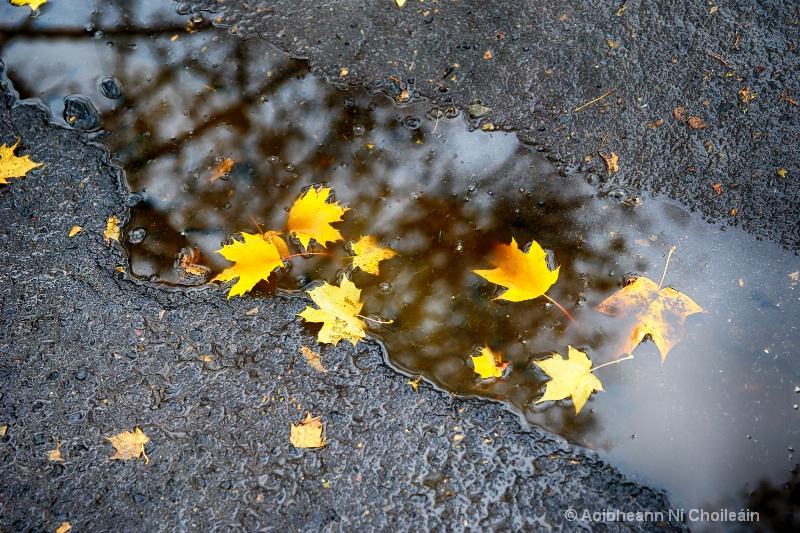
[86,352]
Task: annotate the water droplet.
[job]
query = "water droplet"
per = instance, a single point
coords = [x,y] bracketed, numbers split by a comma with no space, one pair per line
[349,103]
[197,18]
[185,112]
[288,167]
[358,129]
[372,106]
[341,275]
[385,287]
[412,122]
[136,236]
[592,179]
[80,113]
[414,196]
[89,27]
[184,9]
[471,188]
[273,159]
[451,112]
[459,247]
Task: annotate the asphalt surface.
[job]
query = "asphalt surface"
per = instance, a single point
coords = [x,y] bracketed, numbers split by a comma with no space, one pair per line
[88,352]
[733,65]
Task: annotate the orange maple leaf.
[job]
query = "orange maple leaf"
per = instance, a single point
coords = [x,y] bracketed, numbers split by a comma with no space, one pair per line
[659,313]
[311,217]
[255,259]
[525,275]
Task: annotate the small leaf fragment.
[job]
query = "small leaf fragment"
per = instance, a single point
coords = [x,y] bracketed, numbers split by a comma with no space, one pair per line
[312,358]
[255,260]
[308,433]
[311,217]
[658,313]
[612,162]
[222,169]
[338,311]
[12,166]
[570,377]
[74,231]
[525,275]
[415,383]
[400,3]
[696,123]
[129,445]
[55,455]
[112,229]
[64,527]
[368,254]
[488,364]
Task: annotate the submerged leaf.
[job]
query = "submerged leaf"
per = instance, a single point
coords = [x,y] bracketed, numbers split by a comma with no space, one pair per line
[525,275]
[311,217]
[570,377]
[368,254]
[338,311]
[658,313]
[308,433]
[12,166]
[255,260]
[488,364]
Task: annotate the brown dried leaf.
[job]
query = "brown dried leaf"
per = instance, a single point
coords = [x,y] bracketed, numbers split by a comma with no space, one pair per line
[312,358]
[696,123]
[222,169]
[612,162]
[679,113]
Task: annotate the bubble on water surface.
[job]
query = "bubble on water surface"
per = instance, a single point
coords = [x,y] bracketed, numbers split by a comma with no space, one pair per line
[137,236]
[111,88]
[80,113]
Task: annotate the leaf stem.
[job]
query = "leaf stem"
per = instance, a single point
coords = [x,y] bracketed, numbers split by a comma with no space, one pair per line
[375,320]
[305,254]
[630,356]
[562,309]
[660,283]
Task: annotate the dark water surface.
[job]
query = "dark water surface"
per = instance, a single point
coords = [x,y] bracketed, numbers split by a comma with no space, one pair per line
[177,97]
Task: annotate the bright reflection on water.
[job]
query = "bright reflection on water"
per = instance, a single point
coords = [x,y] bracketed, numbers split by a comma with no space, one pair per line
[718,417]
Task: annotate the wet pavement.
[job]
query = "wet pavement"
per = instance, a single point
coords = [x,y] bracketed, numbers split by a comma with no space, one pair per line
[172,105]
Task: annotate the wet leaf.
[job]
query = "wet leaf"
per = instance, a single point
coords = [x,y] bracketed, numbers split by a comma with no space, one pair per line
[55,455]
[612,162]
[311,217]
[400,3]
[696,123]
[308,433]
[129,445]
[368,254]
[112,229]
[255,260]
[64,527]
[525,275]
[74,231]
[12,166]
[658,313]
[33,4]
[570,377]
[488,364]
[222,169]
[338,312]
[312,358]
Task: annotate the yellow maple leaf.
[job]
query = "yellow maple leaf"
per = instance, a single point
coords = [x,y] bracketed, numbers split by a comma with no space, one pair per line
[658,313]
[255,260]
[488,364]
[367,254]
[33,4]
[338,312]
[112,229]
[308,433]
[570,377]
[311,217]
[525,275]
[12,166]
[129,445]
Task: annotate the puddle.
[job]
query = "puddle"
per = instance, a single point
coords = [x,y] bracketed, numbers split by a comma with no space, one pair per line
[711,423]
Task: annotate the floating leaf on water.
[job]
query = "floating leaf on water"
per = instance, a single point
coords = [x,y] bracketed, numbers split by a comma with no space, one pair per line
[571,377]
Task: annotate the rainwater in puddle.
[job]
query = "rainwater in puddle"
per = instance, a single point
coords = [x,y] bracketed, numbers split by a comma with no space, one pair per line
[715,425]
